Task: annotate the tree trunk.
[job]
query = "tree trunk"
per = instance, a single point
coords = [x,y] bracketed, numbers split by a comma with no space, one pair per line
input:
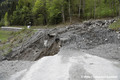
[63,14]
[45,14]
[83,9]
[105,1]
[70,12]
[80,9]
[116,6]
[119,8]
[94,8]
[114,3]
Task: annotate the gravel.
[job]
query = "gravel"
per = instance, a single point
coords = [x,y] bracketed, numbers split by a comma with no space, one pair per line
[8,68]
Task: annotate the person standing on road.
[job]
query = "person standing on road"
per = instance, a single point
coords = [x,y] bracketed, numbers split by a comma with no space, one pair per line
[29,25]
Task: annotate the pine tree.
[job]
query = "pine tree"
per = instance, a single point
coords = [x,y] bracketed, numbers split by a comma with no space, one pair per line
[6,23]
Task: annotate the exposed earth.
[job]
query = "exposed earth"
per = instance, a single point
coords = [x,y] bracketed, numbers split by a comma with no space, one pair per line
[87,51]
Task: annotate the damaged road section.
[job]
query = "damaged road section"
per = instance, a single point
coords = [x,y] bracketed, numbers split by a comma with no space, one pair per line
[71,65]
[42,43]
[47,42]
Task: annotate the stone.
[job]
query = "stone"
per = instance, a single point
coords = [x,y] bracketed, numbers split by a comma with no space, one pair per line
[52,35]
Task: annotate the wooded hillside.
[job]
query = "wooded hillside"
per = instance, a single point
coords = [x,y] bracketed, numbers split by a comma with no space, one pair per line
[43,12]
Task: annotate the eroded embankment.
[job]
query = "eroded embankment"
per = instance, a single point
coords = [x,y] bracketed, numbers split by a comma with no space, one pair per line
[87,35]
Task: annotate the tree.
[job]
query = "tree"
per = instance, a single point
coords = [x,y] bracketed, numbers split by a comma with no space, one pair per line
[7,6]
[6,22]
[55,11]
[79,9]
[83,8]
[43,12]
[119,8]
[63,12]
[39,11]
[22,15]
[70,11]
[94,8]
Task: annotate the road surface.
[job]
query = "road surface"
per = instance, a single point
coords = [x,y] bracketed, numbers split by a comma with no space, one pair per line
[71,65]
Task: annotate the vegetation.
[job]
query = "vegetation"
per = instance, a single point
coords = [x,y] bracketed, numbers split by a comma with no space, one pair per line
[4,35]
[6,49]
[6,23]
[45,12]
[115,25]
[13,39]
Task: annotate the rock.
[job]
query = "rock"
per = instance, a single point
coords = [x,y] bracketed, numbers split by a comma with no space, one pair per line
[106,39]
[118,36]
[45,43]
[42,43]
[52,35]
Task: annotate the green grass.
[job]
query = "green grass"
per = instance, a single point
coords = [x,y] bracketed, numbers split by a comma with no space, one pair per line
[14,39]
[115,25]
[4,35]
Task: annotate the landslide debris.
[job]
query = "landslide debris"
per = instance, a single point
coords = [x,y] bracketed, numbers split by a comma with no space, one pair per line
[47,42]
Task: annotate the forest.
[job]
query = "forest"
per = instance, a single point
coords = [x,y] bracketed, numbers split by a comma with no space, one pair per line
[50,12]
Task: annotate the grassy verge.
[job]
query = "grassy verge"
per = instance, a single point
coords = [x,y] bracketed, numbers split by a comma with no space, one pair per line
[115,25]
[12,40]
[4,35]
